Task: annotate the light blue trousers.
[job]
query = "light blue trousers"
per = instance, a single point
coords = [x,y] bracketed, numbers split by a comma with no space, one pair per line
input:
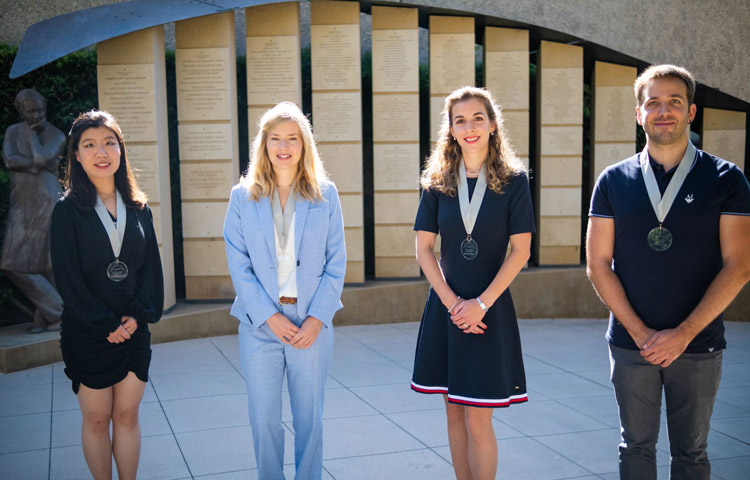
[265,360]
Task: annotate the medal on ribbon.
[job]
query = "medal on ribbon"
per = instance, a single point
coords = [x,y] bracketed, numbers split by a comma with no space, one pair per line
[117,271]
[470,209]
[660,238]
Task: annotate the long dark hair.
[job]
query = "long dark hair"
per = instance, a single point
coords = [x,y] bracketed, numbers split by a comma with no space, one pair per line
[78,187]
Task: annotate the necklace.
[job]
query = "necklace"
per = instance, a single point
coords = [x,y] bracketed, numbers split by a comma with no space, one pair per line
[470,174]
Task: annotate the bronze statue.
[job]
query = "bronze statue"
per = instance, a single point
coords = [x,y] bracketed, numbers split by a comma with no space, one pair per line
[31,151]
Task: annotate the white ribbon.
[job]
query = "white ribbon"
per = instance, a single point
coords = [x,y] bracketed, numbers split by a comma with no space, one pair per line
[662,204]
[470,210]
[116,233]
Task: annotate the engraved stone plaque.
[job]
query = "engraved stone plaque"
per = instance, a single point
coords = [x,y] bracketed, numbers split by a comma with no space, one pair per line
[273,70]
[562,140]
[560,231]
[724,134]
[395,118]
[344,163]
[337,116]
[451,61]
[562,96]
[336,57]
[203,84]
[142,159]
[355,246]
[205,258]
[393,207]
[727,144]
[607,154]
[203,219]
[253,117]
[127,91]
[560,171]
[351,208]
[393,60]
[396,166]
[560,201]
[615,114]
[517,126]
[201,181]
[207,141]
[507,75]
[394,241]
[436,117]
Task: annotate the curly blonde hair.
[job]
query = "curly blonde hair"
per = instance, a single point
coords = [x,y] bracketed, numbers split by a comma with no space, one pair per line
[441,169]
[259,177]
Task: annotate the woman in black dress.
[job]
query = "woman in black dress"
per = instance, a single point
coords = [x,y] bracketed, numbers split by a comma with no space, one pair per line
[476,196]
[107,268]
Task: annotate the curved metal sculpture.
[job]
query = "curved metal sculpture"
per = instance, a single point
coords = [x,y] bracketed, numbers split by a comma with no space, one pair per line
[43,42]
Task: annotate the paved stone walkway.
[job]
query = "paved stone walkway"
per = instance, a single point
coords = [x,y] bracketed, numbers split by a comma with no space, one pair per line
[195,424]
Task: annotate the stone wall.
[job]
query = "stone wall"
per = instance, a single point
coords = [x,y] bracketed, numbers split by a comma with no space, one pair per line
[677,32]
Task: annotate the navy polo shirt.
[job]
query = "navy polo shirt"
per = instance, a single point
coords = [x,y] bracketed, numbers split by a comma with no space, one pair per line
[665,287]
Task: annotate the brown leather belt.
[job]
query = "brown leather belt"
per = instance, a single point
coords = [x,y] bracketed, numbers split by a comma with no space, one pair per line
[287,300]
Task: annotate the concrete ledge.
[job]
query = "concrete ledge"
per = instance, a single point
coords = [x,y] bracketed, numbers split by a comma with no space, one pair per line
[556,293]
[537,293]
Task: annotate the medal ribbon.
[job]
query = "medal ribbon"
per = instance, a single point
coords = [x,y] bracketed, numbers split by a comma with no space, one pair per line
[662,204]
[283,221]
[116,233]
[470,210]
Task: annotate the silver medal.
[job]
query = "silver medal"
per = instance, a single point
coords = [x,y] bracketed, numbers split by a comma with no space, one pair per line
[117,271]
[659,239]
[469,248]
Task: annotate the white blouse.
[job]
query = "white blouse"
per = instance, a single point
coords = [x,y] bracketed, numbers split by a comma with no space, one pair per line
[286,263]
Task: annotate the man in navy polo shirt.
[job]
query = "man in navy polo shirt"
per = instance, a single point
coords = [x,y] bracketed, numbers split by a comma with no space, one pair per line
[668,248]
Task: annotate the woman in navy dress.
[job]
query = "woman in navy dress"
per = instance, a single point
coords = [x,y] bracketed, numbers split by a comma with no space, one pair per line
[469,347]
[105,259]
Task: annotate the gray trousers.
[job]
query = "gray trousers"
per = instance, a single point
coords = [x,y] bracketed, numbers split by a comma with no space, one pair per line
[690,384]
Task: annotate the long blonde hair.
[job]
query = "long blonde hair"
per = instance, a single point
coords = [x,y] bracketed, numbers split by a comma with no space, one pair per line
[259,177]
[441,169]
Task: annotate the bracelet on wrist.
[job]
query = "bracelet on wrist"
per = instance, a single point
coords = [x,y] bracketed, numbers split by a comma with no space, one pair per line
[458,299]
[481,304]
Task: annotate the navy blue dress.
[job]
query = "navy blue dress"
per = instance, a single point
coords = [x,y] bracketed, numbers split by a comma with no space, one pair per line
[475,370]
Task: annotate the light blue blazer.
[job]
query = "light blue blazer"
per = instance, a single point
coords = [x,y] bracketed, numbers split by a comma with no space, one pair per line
[251,254]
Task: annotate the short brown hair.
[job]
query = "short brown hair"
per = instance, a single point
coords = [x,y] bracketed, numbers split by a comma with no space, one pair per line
[665,71]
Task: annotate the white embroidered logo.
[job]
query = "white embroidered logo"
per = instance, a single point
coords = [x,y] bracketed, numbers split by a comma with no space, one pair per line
[689,198]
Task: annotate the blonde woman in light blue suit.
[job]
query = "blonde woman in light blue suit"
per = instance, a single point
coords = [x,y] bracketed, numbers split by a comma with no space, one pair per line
[284,236]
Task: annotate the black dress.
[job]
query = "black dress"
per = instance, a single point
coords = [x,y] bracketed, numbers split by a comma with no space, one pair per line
[93,305]
[475,370]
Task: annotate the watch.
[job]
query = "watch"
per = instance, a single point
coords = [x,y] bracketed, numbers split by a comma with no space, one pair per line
[481,304]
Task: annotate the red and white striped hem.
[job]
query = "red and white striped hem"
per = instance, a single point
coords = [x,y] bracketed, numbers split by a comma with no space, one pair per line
[474,402]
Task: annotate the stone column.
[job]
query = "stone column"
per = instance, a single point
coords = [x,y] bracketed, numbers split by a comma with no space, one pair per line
[209,153]
[337,115]
[559,165]
[724,134]
[395,100]
[131,79]
[612,117]
[273,59]
[506,75]
[452,62]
